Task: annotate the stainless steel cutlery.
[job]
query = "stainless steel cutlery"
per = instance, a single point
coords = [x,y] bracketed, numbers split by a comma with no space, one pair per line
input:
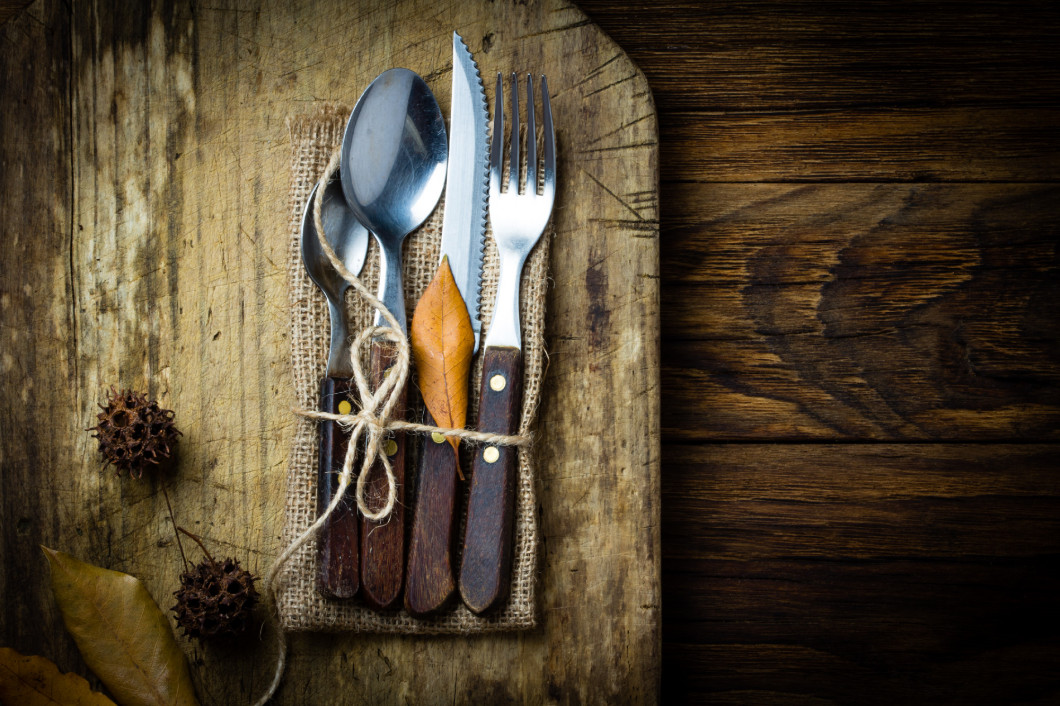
[394,164]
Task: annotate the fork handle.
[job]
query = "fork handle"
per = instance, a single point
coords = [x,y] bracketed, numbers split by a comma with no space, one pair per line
[486,563]
[383,543]
[430,580]
[338,565]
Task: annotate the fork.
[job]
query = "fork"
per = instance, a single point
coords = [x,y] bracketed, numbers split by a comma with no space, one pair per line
[518,220]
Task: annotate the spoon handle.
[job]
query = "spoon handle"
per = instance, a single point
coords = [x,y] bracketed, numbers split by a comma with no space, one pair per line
[383,543]
[486,563]
[338,575]
[430,572]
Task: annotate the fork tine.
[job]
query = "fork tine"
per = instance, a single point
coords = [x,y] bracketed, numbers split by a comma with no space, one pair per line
[550,141]
[531,139]
[497,138]
[513,167]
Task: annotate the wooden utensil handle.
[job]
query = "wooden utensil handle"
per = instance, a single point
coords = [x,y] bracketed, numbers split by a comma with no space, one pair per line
[487,558]
[430,573]
[339,566]
[383,543]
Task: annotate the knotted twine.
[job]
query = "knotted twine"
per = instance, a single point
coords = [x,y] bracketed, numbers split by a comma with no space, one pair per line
[374,417]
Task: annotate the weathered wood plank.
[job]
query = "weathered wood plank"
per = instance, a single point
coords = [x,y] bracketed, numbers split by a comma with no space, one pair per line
[10,9]
[39,356]
[893,54]
[862,311]
[874,574]
[986,144]
[157,189]
[886,91]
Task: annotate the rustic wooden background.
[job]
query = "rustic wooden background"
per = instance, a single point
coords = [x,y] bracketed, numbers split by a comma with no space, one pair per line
[861,391]
[860,216]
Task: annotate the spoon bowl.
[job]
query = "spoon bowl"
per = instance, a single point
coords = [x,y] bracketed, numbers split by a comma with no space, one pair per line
[393,162]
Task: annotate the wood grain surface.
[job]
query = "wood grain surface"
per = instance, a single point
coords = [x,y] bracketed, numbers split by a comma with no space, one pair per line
[430,579]
[862,311]
[144,200]
[860,278]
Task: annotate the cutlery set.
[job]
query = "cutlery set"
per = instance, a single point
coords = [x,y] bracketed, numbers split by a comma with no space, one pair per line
[394,164]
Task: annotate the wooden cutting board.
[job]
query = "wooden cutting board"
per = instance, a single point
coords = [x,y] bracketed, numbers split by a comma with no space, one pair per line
[144,201]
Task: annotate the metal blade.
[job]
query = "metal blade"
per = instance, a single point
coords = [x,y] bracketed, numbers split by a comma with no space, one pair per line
[467,181]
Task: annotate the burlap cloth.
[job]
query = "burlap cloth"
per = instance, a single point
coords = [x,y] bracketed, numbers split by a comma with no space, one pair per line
[313,139]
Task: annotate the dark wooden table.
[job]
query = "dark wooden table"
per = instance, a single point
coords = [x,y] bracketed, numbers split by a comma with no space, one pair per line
[859,246]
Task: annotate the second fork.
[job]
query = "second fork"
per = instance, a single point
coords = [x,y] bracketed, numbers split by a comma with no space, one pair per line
[518,219]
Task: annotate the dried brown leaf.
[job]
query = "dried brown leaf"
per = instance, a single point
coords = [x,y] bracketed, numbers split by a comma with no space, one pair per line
[442,342]
[36,681]
[123,636]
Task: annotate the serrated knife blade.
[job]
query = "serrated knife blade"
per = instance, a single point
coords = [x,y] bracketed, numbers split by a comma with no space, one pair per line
[467,181]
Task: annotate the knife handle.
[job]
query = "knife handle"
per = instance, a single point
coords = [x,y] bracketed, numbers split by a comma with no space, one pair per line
[430,573]
[338,575]
[383,543]
[487,558]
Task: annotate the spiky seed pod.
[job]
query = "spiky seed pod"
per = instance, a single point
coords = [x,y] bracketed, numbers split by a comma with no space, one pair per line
[134,433]
[215,599]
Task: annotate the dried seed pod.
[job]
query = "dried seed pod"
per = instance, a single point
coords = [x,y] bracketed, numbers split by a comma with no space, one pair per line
[215,599]
[134,434]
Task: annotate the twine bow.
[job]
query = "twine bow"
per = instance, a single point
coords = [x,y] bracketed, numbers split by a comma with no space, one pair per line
[374,417]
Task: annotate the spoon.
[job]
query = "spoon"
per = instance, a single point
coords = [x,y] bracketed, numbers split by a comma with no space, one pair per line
[393,163]
[338,577]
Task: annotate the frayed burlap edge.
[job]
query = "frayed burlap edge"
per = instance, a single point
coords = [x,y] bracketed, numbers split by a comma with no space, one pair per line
[313,139]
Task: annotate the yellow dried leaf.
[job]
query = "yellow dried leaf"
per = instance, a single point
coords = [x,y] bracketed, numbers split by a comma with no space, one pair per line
[123,636]
[36,681]
[442,342]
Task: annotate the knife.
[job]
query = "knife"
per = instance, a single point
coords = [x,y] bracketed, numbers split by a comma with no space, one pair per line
[338,576]
[429,577]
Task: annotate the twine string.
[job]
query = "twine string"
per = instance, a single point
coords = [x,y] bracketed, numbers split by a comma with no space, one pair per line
[374,419]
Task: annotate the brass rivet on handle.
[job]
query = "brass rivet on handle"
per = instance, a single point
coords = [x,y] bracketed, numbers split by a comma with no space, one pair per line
[498,383]
[490,454]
